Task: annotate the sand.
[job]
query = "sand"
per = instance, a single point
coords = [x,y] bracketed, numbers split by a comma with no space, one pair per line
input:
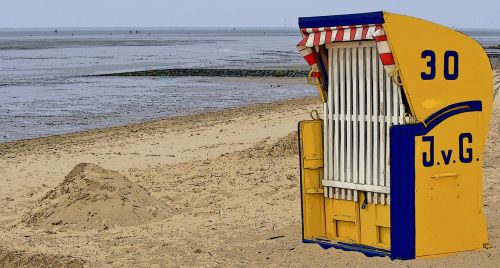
[91,197]
[228,182]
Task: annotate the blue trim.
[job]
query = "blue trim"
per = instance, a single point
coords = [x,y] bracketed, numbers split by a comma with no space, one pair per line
[402,150]
[366,250]
[342,20]
[457,108]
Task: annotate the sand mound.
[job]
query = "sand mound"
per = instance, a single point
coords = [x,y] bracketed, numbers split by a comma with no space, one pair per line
[284,147]
[91,197]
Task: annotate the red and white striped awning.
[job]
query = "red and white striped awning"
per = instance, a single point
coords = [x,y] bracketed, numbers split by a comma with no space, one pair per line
[312,38]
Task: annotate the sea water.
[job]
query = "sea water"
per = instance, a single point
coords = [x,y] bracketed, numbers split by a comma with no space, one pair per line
[47,87]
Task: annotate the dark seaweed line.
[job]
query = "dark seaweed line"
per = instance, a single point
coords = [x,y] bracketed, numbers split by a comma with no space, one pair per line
[214,73]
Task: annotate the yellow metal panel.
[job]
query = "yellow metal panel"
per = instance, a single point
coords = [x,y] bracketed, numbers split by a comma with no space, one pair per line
[374,224]
[312,143]
[448,209]
[311,148]
[410,37]
[345,210]
[383,218]
[448,206]
[314,191]
[384,237]
[347,231]
[329,224]
[345,221]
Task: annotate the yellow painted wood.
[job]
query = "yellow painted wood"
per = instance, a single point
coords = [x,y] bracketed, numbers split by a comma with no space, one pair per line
[329,224]
[374,225]
[345,221]
[313,202]
[384,237]
[448,197]
[408,37]
[335,220]
[314,191]
[448,205]
[448,209]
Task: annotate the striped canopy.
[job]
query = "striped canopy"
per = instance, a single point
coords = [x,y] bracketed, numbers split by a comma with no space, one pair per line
[317,31]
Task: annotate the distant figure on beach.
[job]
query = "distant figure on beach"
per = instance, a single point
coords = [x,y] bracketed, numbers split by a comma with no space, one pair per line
[55,31]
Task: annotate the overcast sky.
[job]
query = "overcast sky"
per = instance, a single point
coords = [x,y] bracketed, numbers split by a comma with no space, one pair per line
[232,13]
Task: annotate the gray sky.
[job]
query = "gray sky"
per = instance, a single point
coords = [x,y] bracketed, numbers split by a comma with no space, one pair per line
[232,13]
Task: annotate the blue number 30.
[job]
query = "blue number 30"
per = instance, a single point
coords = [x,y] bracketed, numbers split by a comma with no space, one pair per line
[447,55]
[431,63]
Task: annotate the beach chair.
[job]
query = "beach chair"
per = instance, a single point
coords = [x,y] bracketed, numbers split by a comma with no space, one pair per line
[394,166]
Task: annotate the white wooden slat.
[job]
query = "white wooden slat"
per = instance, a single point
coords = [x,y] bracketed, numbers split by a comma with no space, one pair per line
[382,119]
[369,79]
[368,131]
[360,91]
[392,114]
[357,186]
[375,130]
[325,146]
[336,140]
[361,117]
[332,74]
[354,120]
[388,122]
[329,140]
[342,119]
[348,113]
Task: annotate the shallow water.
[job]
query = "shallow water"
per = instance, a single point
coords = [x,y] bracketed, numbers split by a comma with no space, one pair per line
[88,103]
[33,56]
[43,91]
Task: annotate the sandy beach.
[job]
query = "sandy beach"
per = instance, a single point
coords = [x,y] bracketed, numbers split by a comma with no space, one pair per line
[217,189]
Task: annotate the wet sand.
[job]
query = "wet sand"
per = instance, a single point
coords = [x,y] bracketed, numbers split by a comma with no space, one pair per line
[83,103]
[229,178]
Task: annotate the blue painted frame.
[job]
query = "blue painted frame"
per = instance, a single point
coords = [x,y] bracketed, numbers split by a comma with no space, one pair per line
[366,250]
[342,20]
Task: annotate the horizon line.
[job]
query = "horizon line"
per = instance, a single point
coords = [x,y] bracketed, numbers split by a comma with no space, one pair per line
[188,27]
